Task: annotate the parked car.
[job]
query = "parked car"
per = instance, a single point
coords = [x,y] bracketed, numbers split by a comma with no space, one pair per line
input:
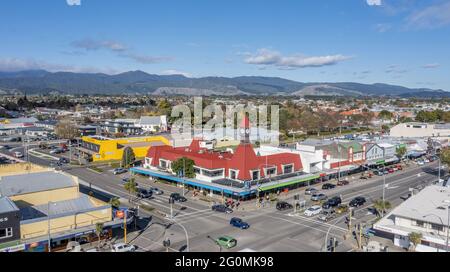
[221,208]
[177,197]
[378,172]
[56,151]
[341,209]
[281,206]
[122,247]
[399,167]
[328,186]
[238,223]
[157,191]
[226,241]
[18,154]
[318,197]
[310,191]
[420,162]
[390,171]
[332,202]
[357,202]
[144,193]
[343,182]
[314,210]
[119,171]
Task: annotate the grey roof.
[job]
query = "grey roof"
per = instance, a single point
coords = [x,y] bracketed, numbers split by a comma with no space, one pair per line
[150,120]
[442,126]
[23,120]
[6,205]
[60,208]
[429,205]
[34,182]
[316,142]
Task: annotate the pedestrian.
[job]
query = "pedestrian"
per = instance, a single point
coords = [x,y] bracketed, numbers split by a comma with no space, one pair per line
[237,205]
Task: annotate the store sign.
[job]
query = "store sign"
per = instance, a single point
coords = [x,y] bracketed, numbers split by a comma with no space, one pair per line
[13,248]
[3,219]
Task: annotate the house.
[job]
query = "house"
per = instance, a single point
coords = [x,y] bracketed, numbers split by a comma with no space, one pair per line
[374,153]
[153,123]
[426,213]
[126,126]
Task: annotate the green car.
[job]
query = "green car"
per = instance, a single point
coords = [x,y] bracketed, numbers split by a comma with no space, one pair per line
[226,242]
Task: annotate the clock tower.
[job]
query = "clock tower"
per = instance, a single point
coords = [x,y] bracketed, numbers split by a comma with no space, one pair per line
[244,130]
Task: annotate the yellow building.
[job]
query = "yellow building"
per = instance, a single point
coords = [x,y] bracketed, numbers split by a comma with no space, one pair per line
[98,148]
[50,204]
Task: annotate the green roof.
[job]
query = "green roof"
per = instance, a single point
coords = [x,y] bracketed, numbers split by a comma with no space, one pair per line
[283,184]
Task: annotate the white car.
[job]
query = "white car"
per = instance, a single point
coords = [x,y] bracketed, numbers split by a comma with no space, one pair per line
[420,163]
[122,247]
[314,210]
[18,154]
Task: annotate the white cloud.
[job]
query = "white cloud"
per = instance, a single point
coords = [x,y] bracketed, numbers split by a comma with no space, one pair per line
[73,2]
[382,27]
[175,72]
[268,57]
[16,64]
[433,16]
[431,65]
[373,2]
[89,44]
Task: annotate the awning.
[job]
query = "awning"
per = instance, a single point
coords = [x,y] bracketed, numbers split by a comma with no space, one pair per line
[288,183]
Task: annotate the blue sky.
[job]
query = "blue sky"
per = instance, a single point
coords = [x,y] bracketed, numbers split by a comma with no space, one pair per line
[405,42]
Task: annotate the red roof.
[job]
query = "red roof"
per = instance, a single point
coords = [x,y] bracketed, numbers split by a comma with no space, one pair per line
[245,122]
[244,159]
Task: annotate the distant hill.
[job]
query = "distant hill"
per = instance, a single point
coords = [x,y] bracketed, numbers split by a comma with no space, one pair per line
[40,81]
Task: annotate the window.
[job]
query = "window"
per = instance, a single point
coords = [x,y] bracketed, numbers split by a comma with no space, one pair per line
[255,174]
[287,169]
[6,233]
[214,173]
[418,223]
[271,171]
[437,227]
[196,170]
[163,164]
[233,174]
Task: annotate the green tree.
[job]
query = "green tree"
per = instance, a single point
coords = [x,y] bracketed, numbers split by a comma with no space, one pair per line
[445,156]
[385,115]
[415,238]
[128,157]
[185,165]
[400,152]
[115,202]
[381,206]
[131,187]
[98,230]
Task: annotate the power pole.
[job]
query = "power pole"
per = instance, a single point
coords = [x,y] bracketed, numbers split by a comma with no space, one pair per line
[360,237]
[125,226]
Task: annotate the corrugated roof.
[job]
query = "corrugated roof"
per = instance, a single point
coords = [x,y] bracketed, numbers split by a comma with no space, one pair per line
[6,205]
[34,182]
[71,206]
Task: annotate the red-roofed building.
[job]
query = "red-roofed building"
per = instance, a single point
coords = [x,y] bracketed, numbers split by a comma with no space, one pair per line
[242,165]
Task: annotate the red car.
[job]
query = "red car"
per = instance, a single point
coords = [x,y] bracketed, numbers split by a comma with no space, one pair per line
[342,182]
[399,167]
[390,170]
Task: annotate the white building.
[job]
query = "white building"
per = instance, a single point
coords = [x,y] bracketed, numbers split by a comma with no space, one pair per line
[152,123]
[421,130]
[427,213]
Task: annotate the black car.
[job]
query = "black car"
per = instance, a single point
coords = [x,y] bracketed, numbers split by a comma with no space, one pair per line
[64,160]
[281,206]
[221,208]
[144,193]
[328,186]
[357,201]
[177,197]
[332,202]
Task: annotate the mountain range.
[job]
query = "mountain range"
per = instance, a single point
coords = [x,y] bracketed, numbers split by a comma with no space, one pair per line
[138,82]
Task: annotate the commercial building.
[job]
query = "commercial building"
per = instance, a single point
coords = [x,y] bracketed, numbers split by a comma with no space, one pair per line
[241,173]
[99,148]
[153,123]
[39,205]
[421,130]
[426,213]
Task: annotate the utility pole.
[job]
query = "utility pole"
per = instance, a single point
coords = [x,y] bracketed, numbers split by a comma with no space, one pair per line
[125,226]
[360,236]
[384,188]
[184,172]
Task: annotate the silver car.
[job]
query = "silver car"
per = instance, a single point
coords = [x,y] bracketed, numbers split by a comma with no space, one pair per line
[318,197]
[310,191]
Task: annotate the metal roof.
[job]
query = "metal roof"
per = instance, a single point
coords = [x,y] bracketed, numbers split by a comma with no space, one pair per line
[430,205]
[34,182]
[60,208]
[6,205]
